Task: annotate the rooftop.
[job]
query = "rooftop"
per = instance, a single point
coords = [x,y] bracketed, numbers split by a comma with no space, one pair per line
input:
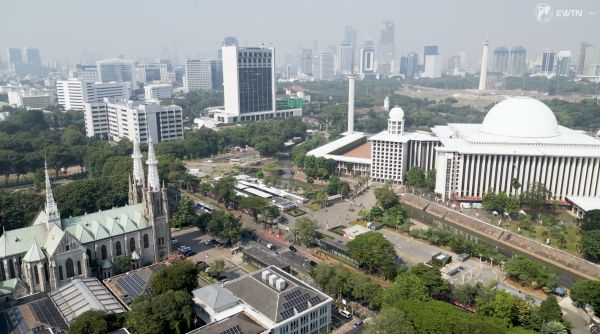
[585,203]
[240,323]
[216,297]
[337,144]
[84,294]
[362,151]
[39,314]
[130,285]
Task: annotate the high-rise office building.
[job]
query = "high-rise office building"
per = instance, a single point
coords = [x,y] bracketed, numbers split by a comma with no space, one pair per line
[500,62]
[216,71]
[326,66]
[33,56]
[367,59]
[345,59]
[306,62]
[563,63]
[116,69]
[586,55]
[249,86]
[429,50]
[517,65]
[548,61]
[198,75]
[351,37]
[409,65]
[387,49]
[72,94]
[432,68]
[15,57]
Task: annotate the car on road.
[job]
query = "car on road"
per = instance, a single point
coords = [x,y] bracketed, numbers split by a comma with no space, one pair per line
[344,313]
[357,324]
[313,263]
[185,250]
[271,247]
[292,249]
[210,242]
[174,241]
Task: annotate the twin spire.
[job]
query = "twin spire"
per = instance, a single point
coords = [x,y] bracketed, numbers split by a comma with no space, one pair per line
[51,208]
[152,162]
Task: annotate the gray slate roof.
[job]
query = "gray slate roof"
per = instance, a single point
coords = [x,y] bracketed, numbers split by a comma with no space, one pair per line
[216,297]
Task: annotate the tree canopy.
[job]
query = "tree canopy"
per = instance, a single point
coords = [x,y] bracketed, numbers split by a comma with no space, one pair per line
[374,253]
[180,276]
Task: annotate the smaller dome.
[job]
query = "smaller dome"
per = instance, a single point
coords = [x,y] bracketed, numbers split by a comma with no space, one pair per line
[396,114]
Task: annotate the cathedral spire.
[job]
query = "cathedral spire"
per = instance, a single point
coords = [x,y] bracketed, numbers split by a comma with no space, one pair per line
[51,208]
[153,181]
[138,169]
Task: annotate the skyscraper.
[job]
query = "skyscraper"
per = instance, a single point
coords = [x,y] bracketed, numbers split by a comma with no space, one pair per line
[387,49]
[116,69]
[409,65]
[586,54]
[33,56]
[429,50]
[326,66]
[500,63]
[306,62]
[432,68]
[216,71]
[563,63]
[367,59]
[548,61]
[15,57]
[345,58]
[198,75]
[517,64]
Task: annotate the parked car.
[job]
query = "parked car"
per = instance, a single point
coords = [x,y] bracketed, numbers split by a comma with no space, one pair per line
[292,249]
[174,241]
[209,242]
[344,313]
[271,247]
[185,250]
[357,324]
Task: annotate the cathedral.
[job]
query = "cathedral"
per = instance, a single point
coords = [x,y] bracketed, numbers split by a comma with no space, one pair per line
[54,250]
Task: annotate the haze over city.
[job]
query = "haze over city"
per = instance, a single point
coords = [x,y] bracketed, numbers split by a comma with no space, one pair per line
[67,31]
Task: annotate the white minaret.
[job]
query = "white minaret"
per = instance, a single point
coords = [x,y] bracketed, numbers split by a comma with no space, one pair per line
[351,79]
[138,169]
[386,103]
[152,162]
[486,44]
[51,208]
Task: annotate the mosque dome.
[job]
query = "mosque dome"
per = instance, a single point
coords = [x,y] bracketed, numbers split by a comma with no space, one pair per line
[520,117]
[396,114]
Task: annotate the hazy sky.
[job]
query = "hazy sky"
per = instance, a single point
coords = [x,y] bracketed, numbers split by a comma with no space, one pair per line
[66,30]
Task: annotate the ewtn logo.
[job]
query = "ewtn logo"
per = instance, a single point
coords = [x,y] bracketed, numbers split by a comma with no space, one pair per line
[544,13]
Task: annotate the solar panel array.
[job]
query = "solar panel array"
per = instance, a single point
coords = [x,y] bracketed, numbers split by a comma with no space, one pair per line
[133,285]
[233,330]
[299,301]
[12,322]
[47,313]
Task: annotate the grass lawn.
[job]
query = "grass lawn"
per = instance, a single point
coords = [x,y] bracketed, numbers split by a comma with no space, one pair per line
[572,236]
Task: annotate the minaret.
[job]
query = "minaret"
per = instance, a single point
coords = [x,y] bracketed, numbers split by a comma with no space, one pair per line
[351,79]
[483,74]
[153,181]
[51,209]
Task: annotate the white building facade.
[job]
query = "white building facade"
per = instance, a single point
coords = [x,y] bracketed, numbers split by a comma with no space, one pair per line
[116,70]
[72,94]
[519,143]
[158,91]
[198,75]
[34,99]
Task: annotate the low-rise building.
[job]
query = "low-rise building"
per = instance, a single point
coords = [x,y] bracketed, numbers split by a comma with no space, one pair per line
[158,91]
[30,98]
[267,301]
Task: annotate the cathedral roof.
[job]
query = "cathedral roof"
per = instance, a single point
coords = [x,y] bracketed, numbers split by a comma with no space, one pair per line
[19,241]
[34,254]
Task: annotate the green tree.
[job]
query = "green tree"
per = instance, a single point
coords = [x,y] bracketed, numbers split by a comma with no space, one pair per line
[406,287]
[436,286]
[501,306]
[415,177]
[590,245]
[185,214]
[591,221]
[585,291]
[550,310]
[224,191]
[535,198]
[169,312]
[386,198]
[530,272]
[306,229]
[182,276]
[223,225]
[390,321]
[553,327]
[121,264]
[89,322]
[374,253]
[218,269]
[253,204]
[430,180]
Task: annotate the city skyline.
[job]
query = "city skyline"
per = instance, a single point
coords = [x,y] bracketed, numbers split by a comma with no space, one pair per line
[184,34]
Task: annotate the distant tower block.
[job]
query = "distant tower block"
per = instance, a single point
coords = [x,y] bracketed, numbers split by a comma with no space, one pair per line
[386,103]
[351,79]
[482,75]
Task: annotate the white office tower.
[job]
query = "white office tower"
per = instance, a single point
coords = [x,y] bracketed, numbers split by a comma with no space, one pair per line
[114,120]
[326,66]
[367,60]
[158,91]
[483,73]
[249,85]
[586,56]
[198,75]
[432,67]
[386,103]
[563,63]
[345,59]
[116,70]
[151,72]
[72,94]
[351,80]
[84,72]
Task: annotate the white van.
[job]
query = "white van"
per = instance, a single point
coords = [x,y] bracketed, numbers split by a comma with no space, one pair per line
[344,313]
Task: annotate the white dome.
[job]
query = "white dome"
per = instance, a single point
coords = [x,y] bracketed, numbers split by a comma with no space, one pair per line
[521,117]
[396,114]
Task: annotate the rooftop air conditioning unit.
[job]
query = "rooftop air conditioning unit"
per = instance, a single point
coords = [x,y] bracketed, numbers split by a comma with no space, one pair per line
[272,280]
[280,284]
[265,275]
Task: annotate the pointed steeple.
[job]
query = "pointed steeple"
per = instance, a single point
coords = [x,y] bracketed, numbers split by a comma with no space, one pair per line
[51,207]
[138,169]
[152,162]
